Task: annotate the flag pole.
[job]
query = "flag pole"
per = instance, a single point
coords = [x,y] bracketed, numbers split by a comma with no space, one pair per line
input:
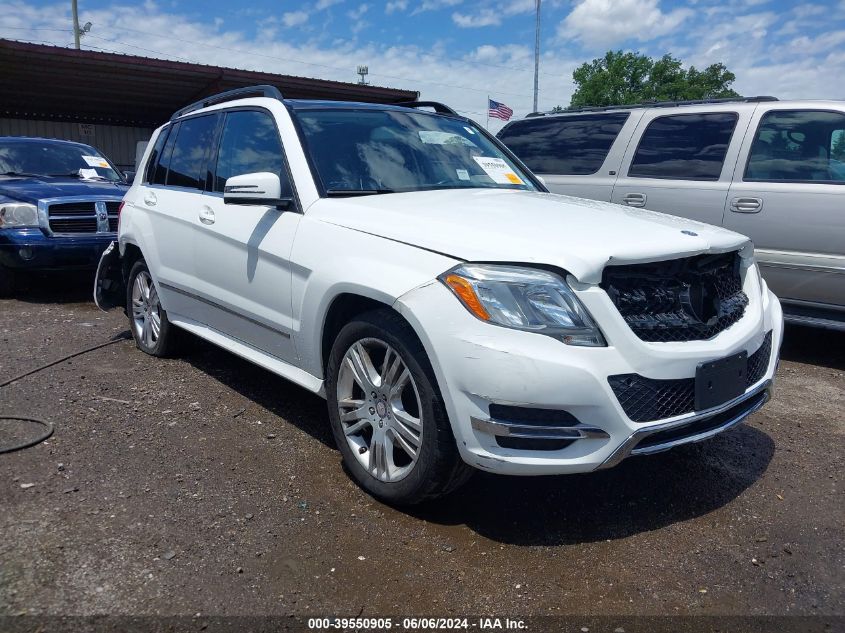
[487,126]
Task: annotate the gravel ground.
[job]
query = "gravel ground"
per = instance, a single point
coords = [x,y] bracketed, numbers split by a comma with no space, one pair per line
[205,484]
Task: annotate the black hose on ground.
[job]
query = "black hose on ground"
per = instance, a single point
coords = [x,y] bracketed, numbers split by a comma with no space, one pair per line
[48,425]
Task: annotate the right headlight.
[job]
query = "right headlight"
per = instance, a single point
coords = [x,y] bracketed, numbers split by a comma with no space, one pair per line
[523,298]
[17,214]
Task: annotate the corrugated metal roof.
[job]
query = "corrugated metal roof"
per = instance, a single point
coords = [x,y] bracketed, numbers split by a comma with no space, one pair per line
[52,82]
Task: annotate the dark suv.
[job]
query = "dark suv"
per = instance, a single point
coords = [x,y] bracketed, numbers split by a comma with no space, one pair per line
[59,204]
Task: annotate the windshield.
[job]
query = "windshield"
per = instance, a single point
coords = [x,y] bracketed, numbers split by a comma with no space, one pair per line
[42,158]
[385,151]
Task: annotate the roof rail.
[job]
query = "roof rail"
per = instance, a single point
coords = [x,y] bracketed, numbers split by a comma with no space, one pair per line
[440,108]
[656,104]
[230,95]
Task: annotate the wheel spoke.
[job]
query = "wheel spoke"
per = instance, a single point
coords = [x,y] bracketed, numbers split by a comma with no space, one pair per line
[137,309]
[390,366]
[378,457]
[355,414]
[401,382]
[402,442]
[406,419]
[360,425]
[155,320]
[362,366]
[147,331]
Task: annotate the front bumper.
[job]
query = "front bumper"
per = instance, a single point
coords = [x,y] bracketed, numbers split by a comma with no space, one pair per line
[30,249]
[478,365]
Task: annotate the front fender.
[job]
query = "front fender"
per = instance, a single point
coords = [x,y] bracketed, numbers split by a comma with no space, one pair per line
[109,286]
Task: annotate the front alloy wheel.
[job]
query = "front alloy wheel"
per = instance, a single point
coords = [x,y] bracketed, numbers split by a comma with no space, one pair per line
[387,415]
[379,408]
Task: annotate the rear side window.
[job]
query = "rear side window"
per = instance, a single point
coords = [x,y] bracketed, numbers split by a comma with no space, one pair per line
[684,147]
[188,164]
[250,143]
[572,145]
[155,156]
[798,146]
[159,168]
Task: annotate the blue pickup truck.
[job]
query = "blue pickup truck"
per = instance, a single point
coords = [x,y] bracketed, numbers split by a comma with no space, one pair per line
[59,206]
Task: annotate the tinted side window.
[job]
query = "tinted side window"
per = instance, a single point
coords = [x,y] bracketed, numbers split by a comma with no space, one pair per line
[574,145]
[798,145]
[250,143]
[188,165]
[155,155]
[159,176]
[684,147]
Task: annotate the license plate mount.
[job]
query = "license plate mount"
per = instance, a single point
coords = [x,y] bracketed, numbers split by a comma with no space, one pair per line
[719,381]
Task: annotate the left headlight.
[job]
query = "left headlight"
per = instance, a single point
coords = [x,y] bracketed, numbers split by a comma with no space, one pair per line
[15,214]
[524,299]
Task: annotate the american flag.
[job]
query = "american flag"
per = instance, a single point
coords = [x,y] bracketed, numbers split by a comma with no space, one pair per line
[499,110]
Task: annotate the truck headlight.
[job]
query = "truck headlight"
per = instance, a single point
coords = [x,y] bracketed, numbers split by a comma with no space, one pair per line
[14,214]
[523,299]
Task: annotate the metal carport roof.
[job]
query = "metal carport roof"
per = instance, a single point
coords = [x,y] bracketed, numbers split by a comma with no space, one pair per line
[52,82]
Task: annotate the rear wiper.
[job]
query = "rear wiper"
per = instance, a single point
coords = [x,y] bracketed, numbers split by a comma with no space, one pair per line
[348,193]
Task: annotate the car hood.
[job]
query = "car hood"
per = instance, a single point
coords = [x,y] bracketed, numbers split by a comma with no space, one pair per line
[498,225]
[33,189]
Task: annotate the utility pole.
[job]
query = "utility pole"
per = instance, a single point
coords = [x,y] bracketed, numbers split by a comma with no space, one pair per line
[537,57]
[75,11]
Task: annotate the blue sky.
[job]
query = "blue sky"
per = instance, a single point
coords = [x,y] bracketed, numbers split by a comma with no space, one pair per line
[458,51]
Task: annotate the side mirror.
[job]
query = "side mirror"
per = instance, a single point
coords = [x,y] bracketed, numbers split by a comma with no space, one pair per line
[259,189]
[129,176]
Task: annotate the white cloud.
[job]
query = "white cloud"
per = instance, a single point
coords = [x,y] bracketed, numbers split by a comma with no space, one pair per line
[602,23]
[294,18]
[396,5]
[486,17]
[325,4]
[358,12]
[435,5]
[493,15]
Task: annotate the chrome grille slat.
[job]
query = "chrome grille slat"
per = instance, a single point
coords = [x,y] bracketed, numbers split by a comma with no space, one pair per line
[80,217]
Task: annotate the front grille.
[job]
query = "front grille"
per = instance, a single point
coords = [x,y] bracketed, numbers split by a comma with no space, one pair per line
[80,217]
[74,208]
[688,299]
[699,426]
[647,399]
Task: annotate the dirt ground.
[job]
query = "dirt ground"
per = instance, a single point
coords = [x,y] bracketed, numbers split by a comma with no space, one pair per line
[207,485]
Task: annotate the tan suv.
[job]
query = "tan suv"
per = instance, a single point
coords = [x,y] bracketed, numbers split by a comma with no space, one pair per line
[772,170]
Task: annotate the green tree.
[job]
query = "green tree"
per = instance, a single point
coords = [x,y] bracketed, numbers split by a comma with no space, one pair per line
[621,78]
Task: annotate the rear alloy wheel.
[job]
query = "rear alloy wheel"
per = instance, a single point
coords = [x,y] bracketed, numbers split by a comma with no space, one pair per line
[387,414]
[152,331]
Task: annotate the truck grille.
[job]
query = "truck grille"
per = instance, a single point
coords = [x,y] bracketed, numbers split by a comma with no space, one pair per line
[647,399]
[81,217]
[688,299]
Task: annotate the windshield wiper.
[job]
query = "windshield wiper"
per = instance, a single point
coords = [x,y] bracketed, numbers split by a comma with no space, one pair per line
[21,173]
[348,193]
[76,174]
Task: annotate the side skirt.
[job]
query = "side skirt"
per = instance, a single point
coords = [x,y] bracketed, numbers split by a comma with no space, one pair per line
[239,348]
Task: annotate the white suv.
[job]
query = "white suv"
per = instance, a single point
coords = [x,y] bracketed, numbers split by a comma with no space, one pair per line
[406,266]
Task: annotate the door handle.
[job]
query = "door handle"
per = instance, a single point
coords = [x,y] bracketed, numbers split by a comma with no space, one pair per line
[150,199]
[206,215]
[746,205]
[634,199]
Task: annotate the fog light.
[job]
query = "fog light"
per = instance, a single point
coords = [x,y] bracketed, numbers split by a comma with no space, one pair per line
[26,253]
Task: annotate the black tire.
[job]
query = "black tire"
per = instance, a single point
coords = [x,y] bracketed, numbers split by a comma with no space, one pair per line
[166,343]
[8,282]
[439,468]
